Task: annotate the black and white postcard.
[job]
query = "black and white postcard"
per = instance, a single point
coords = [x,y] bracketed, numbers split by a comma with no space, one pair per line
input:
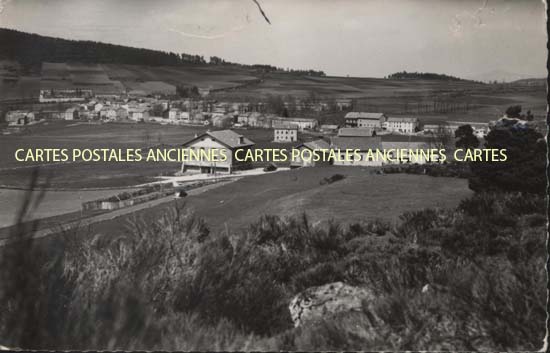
[273,175]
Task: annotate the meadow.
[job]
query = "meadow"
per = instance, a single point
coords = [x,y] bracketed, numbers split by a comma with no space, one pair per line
[361,195]
[465,278]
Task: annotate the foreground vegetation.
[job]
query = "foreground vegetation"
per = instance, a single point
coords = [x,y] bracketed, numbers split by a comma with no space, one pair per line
[468,278]
[174,285]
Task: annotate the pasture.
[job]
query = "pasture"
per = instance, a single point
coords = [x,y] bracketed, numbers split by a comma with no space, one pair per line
[361,195]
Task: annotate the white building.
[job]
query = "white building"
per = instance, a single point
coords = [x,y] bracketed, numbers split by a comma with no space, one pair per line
[108,113]
[71,114]
[216,144]
[288,134]
[19,117]
[480,129]
[174,114]
[364,119]
[64,95]
[300,123]
[138,114]
[401,125]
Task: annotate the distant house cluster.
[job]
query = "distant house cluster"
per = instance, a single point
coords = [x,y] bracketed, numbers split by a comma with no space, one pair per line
[64,95]
[380,121]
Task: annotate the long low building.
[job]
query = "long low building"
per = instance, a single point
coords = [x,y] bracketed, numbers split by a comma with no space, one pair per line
[480,129]
[382,150]
[300,123]
[365,119]
[401,124]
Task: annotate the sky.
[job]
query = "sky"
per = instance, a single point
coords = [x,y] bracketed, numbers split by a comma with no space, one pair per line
[366,38]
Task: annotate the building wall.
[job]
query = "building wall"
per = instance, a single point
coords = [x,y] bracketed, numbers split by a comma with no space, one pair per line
[368,123]
[401,126]
[285,135]
[363,162]
[229,165]
[299,162]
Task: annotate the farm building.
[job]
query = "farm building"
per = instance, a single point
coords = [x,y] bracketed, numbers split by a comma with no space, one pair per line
[301,123]
[121,114]
[403,142]
[449,127]
[402,125]
[51,115]
[329,128]
[285,134]
[71,114]
[356,132]
[217,143]
[138,114]
[254,120]
[19,117]
[362,144]
[344,103]
[307,161]
[108,113]
[64,95]
[174,114]
[223,121]
[364,119]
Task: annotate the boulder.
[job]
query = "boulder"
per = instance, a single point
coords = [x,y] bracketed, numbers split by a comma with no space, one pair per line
[316,303]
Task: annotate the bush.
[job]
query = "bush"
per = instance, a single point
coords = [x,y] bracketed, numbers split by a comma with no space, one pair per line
[332,179]
[471,278]
[270,168]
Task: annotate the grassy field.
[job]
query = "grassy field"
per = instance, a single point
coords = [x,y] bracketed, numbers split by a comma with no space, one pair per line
[361,195]
[111,78]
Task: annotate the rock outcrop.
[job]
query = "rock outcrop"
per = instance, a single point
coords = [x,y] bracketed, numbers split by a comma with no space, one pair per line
[316,303]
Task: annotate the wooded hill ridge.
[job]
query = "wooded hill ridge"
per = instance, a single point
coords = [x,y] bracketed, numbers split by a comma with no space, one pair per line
[31,49]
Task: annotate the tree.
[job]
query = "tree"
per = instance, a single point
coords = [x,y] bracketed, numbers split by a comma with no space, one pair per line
[465,137]
[523,170]
[276,105]
[514,111]
[158,110]
[187,91]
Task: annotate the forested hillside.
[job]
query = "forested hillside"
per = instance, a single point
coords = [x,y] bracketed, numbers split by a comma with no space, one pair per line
[424,76]
[33,49]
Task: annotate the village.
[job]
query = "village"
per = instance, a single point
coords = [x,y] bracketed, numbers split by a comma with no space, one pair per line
[226,124]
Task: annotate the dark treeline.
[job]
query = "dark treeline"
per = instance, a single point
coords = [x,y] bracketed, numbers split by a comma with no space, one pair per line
[404,75]
[33,49]
[214,60]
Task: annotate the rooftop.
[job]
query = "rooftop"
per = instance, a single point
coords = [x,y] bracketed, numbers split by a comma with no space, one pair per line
[228,138]
[316,144]
[404,138]
[360,131]
[402,120]
[360,143]
[364,115]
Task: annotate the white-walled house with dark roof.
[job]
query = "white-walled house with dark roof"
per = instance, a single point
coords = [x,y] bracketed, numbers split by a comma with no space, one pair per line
[227,140]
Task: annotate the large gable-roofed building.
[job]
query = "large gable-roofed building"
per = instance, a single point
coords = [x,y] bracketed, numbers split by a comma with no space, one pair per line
[227,140]
[365,119]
